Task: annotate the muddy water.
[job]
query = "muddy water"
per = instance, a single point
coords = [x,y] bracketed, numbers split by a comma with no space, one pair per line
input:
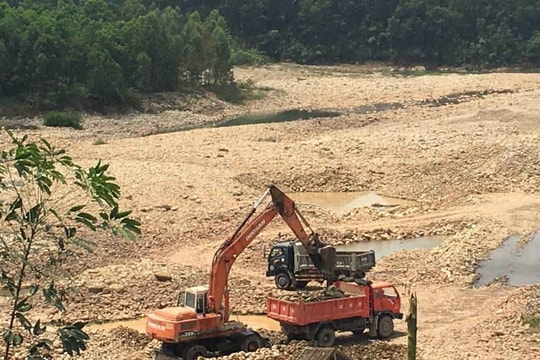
[284,116]
[347,201]
[386,247]
[520,266]
[253,321]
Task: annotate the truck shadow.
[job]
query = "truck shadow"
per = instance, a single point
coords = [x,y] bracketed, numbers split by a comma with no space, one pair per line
[346,339]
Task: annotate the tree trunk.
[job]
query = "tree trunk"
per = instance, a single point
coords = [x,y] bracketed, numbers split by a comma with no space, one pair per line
[411,328]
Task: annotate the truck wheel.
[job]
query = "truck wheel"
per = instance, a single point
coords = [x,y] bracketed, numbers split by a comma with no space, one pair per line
[283,281]
[326,337]
[193,352]
[252,343]
[385,327]
[301,284]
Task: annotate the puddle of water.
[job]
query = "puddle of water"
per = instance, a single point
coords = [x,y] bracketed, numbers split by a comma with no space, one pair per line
[252,321]
[347,201]
[373,108]
[284,116]
[386,247]
[520,266]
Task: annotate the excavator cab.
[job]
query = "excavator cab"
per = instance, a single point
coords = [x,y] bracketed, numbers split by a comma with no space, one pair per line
[194,298]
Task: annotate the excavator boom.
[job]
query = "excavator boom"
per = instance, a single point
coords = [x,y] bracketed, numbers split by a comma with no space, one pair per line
[322,255]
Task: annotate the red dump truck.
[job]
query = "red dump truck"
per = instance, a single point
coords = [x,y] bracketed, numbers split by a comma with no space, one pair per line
[366,305]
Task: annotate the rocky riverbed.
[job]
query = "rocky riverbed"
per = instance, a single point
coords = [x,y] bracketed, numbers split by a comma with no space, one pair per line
[461,152]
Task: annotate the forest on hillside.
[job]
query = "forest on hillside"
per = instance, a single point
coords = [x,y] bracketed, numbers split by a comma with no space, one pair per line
[110,50]
[431,32]
[53,51]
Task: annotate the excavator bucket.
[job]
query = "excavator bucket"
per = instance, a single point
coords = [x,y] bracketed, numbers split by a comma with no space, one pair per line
[327,255]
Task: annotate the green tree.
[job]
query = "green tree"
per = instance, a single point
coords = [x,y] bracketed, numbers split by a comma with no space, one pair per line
[96,10]
[533,49]
[192,38]
[46,201]
[144,72]
[105,75]
[221,64]
[131,9]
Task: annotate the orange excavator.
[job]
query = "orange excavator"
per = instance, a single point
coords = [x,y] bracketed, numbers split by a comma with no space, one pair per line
[200,325]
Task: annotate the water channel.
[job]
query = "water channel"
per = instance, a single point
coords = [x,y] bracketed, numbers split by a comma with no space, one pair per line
[283,116]
[387,247]
[520,266]
[306,114]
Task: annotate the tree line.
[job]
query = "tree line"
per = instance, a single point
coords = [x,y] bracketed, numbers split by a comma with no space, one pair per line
[482,33]
[53,50]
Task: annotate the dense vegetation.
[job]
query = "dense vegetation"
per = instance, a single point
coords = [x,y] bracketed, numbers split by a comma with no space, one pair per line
[53,50]
[432,32]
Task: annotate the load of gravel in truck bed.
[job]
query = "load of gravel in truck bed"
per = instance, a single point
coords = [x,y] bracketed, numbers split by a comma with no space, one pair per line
[331,292]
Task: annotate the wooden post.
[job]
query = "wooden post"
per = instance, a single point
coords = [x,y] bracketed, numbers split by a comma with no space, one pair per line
[411,320]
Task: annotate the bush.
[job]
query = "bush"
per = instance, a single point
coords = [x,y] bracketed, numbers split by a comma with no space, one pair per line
[238,93]
[63,119]
[249,57]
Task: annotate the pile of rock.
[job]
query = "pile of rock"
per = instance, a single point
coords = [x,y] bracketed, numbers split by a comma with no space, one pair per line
[453,261]
[331,292]
[129,291]
[376,350]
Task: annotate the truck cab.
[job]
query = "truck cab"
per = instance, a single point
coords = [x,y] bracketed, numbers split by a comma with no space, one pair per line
[280,258]
[386,299]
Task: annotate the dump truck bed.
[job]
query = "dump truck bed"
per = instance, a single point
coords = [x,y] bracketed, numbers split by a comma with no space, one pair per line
[345,260]
[302,313]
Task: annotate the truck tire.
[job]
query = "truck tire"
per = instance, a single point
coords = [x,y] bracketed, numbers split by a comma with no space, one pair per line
[385,326]
[326,337]
[194,351]
[252,343]
[283,281]
[301,285]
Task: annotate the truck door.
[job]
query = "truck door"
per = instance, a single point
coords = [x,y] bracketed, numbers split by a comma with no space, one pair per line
[386,299]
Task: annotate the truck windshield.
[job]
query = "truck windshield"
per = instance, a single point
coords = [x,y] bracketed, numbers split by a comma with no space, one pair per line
[190,300]
[276,252]
[389,292]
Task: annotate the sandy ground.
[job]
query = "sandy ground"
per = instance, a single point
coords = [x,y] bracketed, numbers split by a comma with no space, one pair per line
[469,170]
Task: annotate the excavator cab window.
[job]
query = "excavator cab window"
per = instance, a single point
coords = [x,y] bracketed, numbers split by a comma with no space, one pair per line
[181,299]
[190,300]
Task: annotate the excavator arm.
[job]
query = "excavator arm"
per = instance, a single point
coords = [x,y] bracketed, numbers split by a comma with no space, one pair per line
[322,255]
